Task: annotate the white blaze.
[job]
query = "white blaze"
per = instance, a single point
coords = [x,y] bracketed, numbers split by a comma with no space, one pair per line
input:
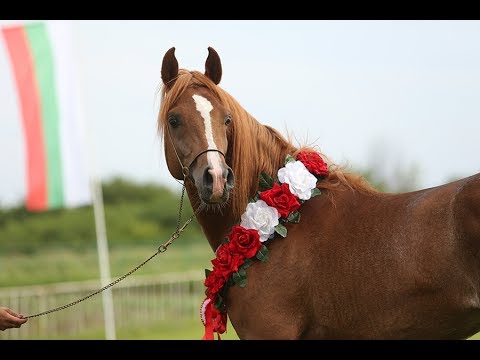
[204,107]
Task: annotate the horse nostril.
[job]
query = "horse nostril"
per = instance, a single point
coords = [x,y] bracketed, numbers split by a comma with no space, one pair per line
[207,178]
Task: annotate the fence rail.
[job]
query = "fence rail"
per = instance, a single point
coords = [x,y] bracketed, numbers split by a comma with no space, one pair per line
[137,300]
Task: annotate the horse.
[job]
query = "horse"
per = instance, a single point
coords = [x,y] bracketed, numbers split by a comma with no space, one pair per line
[359,264]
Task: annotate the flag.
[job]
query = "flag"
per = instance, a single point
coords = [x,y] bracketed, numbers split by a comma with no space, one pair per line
[42,67]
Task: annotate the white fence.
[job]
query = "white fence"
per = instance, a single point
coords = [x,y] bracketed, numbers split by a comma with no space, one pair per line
[139,301]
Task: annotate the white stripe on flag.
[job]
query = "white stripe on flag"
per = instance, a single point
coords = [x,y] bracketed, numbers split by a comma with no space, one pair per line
[76,181]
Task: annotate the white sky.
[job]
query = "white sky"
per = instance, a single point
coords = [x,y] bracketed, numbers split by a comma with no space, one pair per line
[391,93]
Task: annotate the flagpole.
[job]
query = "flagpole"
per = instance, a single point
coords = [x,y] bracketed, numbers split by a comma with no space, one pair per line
[99,215]
[102,249]
[103,258]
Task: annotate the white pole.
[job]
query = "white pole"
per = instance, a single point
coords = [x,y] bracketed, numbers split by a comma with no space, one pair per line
[103,258]
[100,228]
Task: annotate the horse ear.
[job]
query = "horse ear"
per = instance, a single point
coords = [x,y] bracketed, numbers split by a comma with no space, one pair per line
[169,67]
[213,66]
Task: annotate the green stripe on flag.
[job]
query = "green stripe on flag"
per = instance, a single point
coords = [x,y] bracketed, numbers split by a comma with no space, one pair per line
[44,70]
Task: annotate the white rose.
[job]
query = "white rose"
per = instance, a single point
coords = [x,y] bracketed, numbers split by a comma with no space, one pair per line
[299,179]
[261,217]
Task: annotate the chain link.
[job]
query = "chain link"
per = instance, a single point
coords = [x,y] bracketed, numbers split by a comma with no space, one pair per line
[162,248]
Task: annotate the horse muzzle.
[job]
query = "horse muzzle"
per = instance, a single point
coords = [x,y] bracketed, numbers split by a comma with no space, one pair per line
[215,184]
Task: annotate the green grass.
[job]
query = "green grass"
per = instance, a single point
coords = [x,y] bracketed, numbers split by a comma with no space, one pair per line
[475,337]
[181,330]
[63,265]
[172,330]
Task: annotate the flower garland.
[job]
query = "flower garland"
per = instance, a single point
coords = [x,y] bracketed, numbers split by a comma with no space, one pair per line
[275,204]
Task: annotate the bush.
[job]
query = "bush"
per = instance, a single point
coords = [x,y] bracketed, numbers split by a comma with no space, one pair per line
[134,213]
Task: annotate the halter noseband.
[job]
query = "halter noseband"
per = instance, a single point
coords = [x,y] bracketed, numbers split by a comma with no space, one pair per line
[186,169]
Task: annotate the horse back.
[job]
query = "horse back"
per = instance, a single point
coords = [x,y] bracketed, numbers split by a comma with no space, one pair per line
[466,213]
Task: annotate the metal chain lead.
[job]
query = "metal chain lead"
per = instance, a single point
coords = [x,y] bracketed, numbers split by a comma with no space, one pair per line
[161,249]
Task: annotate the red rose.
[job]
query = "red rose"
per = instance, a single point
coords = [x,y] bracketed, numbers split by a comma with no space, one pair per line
[226,262]
[214,283]
[280,197]
[244,242]
[313,162]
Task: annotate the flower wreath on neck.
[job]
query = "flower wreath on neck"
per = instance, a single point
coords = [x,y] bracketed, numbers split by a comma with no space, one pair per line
[275,204]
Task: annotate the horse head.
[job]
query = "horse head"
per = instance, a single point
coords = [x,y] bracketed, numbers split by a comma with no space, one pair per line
[195,127]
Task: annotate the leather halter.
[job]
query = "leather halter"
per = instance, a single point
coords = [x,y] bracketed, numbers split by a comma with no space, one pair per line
[186,169]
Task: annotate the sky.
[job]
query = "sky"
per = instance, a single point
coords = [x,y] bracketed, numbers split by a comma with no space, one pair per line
[387,94]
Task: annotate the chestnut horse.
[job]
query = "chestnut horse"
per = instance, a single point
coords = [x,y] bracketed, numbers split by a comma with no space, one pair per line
[361,264]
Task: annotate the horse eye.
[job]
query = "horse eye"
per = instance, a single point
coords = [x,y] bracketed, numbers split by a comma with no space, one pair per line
[228,119]
[173,121]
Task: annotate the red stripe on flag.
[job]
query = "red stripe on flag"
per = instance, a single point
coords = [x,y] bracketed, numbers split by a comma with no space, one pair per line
[22,64]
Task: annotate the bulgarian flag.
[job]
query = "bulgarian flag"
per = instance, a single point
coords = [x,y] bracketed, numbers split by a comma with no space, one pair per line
[43,73]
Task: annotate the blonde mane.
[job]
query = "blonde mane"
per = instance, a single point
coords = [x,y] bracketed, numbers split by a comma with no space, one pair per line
[269,150]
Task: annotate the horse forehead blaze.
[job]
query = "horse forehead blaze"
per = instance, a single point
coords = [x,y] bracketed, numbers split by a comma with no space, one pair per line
[204,107]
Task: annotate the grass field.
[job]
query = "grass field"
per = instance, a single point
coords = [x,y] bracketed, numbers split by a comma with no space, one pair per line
[175,330]
[63,265]
[178,330]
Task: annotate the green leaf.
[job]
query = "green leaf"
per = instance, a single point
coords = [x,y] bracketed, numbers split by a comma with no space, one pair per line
[239,278]
[247,263]
[219,303]
[281,230]
[266,181]
[263,254]
[289,159]
[223,292]
[236,276]
[315,192]
[294,217]
[207,272]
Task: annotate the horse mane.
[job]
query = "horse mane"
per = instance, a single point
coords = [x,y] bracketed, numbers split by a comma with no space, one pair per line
[269,152]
